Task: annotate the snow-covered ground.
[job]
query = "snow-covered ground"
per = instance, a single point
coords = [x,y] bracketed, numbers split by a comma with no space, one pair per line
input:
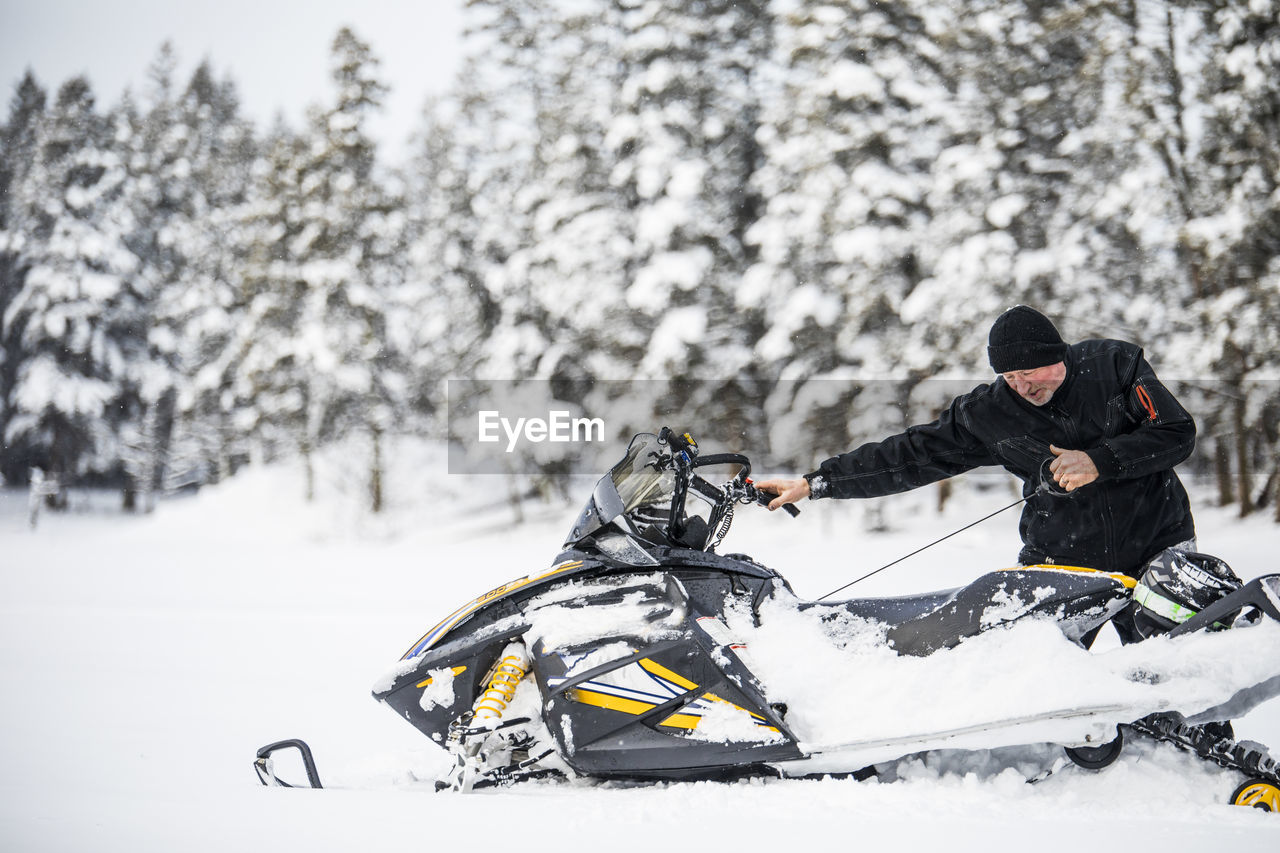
[144,659]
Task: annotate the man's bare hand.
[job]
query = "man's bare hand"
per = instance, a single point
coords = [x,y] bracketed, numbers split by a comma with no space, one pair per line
[787,491]
[1072,468]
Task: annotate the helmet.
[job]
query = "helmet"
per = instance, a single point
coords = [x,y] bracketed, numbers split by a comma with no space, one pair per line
[1176,586]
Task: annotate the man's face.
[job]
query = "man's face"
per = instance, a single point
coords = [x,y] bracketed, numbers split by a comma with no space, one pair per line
[1037,386]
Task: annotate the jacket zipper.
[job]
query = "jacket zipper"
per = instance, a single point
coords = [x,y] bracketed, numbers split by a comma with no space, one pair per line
[1108,532]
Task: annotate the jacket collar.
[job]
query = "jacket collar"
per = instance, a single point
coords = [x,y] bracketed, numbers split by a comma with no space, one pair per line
[1068,381]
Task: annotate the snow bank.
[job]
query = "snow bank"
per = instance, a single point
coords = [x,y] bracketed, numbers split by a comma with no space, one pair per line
[846,685]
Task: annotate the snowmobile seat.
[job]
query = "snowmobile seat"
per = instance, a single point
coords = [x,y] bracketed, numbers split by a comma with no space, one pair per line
[893,611]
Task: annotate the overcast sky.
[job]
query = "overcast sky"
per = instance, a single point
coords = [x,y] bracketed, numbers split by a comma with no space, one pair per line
[277,51]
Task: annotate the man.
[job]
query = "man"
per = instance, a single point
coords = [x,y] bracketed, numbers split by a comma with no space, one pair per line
[1092,417]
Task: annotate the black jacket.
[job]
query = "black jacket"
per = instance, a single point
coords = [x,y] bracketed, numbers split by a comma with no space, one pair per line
[1110,405]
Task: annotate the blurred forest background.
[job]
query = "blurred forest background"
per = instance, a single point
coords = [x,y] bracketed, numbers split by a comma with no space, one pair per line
[799,210]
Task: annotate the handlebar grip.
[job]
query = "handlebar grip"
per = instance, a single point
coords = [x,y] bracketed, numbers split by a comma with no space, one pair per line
[683,441]
[763,498]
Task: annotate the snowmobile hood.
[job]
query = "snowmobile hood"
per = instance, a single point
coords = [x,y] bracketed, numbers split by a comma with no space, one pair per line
[560,570]
[570,564]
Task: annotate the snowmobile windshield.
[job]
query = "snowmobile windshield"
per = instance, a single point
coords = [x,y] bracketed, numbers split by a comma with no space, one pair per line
[641,479]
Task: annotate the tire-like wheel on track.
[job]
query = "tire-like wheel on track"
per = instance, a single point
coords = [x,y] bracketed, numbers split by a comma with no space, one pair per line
[1097,757]
[1258,793]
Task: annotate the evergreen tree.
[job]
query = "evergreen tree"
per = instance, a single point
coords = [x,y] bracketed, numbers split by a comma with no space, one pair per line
[19,141]
[504,93]
[76,316]
[568,276]
[448,314]
[683,142]
[857,114]
[189,177]
[996,187]
[206,445]
[321,274]
[1233,244]
[267,377]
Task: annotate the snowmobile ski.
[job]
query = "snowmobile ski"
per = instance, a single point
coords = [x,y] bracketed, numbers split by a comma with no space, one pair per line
[1085,726]
[264,764]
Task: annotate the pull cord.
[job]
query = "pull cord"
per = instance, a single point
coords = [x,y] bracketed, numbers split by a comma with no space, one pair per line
[930,545]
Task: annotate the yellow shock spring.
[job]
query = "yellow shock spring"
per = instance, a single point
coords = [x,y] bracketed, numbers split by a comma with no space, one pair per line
[507,674]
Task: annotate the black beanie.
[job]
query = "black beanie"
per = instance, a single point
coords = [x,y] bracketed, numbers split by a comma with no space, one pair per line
[1023,339]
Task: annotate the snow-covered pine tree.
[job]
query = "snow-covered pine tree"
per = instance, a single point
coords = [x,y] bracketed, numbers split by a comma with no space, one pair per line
[1090,123]
[568,321]
[447,312]
[996,187]
[315,360]
[1233,243]
[569,273]
[1134,193]
[1044,191]
[77,313]
[204,314]
[187,163]
[19,142]
[506,94]
[369,395]
[683,142]
[473,183]
[268,383]
[154,144]
[856,113]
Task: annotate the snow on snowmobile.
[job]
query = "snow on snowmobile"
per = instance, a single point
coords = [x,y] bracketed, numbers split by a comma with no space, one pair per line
[625,658]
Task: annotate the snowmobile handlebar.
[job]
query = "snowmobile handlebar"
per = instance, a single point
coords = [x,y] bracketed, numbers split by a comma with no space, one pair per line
[684,458]
[753,494]
[725,459]
[684,453]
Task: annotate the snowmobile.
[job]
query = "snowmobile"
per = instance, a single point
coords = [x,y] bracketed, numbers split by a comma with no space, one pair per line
[624,660]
